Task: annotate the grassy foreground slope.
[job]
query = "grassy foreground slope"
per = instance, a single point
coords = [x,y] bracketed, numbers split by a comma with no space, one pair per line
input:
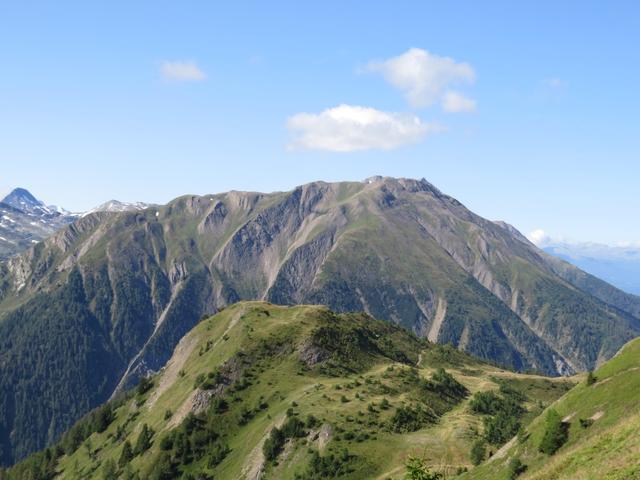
[602,420]
[351,396]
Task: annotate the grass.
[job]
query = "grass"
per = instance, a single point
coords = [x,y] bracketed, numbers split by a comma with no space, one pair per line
[284,384]
[607,449]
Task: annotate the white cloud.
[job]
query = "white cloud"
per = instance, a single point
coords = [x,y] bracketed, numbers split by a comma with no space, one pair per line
[422,76]
[347,128]
[539,238]
[182,71]
[454,102]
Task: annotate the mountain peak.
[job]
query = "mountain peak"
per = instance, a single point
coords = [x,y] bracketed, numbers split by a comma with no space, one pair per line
[21,198]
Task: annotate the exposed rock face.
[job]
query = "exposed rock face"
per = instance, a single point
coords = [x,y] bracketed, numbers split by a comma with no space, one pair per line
[398,249]
[312,355]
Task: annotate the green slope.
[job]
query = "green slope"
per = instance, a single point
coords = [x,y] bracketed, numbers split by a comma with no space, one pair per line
[377,394]
[602,420]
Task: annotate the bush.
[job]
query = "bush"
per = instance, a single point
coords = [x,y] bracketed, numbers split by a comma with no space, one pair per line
[219,405]
[293,428]
[311,421]
[586,422]
[591,379]
[515,468]
[555,435]
[144,386]
[407,419]
[477,452]
[330,466]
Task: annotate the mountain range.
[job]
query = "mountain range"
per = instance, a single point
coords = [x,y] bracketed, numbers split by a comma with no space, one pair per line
[25,220]
[617,265]
[104,301]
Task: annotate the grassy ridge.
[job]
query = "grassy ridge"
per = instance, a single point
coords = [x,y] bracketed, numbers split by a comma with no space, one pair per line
[364,393]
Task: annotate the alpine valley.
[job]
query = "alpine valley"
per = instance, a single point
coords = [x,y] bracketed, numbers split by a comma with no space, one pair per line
[115,299]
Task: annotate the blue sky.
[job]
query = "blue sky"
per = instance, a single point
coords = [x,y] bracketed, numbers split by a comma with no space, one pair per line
[530,116]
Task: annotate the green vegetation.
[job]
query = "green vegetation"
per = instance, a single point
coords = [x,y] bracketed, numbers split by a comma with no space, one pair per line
[503,413]
[589,433]
[417,469]
[269,397]
[555,434]
[478,452]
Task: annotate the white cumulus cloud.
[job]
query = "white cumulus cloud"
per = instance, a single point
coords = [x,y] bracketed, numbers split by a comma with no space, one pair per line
[454,102]
[182,71]
[422,76]
[539,237]
[348,128]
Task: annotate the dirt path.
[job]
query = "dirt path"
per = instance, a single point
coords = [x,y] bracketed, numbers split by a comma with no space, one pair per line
[504,449]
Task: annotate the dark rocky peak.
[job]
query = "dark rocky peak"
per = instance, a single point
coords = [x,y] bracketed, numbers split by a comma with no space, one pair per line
[22,199]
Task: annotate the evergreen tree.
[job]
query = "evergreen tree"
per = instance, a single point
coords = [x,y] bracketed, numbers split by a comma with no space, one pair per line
[417,470]
[273,444]
[144,440]
[126,455]
[555,435]
[109,471]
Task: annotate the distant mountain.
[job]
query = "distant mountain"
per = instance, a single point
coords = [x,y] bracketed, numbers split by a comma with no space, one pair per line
[25,220]
[398,249]
[117,206]
[620,266]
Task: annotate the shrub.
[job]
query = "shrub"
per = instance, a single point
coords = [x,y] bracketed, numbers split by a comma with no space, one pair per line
[586,422]
[144,386]
[330,466]
[219,405]
[407,419]
[477,452]
[515,468]
[311,421]
[591,379]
